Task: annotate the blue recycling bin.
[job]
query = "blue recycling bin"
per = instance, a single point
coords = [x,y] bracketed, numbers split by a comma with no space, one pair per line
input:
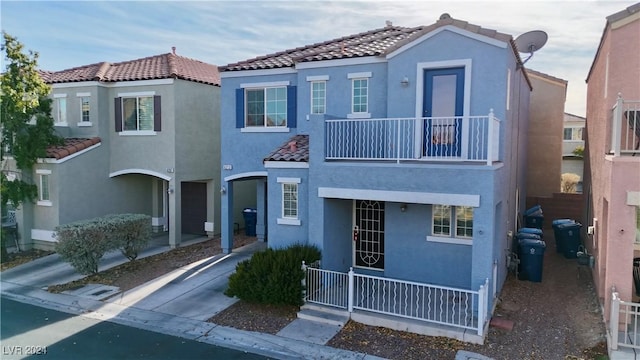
[527,230]
[533,210]
[569,238]
[250,219]
[533,217]
[556,233]
[521,236]
[531,259]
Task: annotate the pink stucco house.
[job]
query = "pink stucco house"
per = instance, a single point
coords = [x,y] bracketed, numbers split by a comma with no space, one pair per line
[612,173]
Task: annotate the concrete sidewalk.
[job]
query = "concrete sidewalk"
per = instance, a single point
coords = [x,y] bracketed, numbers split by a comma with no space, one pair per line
[176,304]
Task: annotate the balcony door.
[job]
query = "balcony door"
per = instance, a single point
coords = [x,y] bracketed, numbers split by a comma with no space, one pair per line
[443,106]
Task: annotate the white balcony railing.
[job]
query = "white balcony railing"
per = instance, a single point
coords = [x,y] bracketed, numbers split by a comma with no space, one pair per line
[460,308]
[625,129]
[465,138]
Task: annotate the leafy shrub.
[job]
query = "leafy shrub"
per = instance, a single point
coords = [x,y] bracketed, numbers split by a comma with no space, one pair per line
[84,243]
[272,276]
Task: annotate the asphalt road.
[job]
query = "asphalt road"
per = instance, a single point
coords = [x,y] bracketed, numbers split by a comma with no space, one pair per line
[28,331]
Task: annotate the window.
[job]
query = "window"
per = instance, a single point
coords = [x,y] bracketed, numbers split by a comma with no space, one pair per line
[289,215]
[137,113]
[442,222]
[318,97]
[84,108]
[267,107]
[359,103]
[290,201]
[60,109]
[572,134]
[44,197]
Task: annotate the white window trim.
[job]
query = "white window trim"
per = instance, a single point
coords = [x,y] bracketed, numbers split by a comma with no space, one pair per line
[265,84]
[359,115]
[57,110]
[41,202]
[452,238]
[84,123]
[359,75]
[324,105]
[289,220]
[83,94]
[137,94]
[272,129]
[137,133]
[269,85]
[318,78]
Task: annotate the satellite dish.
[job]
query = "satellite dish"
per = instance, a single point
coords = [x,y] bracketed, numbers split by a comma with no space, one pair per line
[530,42]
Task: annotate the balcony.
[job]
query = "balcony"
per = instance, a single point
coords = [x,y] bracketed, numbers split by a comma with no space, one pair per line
[625,127]
[433,139]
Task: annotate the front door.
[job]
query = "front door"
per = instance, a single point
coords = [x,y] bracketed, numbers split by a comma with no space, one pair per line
[368,234]
[443,108]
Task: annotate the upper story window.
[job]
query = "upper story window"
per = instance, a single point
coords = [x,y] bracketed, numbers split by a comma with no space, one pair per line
[572,134]
[85,109]
[266,107]
[137,113]
[318,97]
[60,109]
[359,94]
[455,222]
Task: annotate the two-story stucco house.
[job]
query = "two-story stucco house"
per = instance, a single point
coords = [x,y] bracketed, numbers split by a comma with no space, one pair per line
[612,176]
[400,153]
[142,136]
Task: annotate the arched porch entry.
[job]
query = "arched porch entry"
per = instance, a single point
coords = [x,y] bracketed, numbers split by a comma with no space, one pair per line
[241,191]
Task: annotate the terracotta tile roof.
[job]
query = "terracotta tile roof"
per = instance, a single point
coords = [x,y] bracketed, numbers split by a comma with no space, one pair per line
[162,66]
[378,42]
[70,146]
[294,149]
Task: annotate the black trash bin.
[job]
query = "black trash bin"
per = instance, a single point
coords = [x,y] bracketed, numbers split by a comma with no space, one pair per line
[520,236]
[250,220]
[531,259]
[569,239]
[556,234]
[533,217]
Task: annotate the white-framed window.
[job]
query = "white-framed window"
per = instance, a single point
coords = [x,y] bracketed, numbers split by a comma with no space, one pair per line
[85,109]
[573,134]
[60,109]
[453,224]
[44,197]
[266,107]
[318,97]
[360,96]
[137,113]
[290,214]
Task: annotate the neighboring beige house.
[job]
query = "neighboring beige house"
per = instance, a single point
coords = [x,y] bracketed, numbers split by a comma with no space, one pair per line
[142,136]
[573,139]
[544,150]
[612,169]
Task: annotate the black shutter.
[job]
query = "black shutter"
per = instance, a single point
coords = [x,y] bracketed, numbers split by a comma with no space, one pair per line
[239,108]
[157,118]
[118,112]
[291,106]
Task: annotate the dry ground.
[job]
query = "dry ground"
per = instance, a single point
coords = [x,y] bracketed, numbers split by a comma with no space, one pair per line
[558,318]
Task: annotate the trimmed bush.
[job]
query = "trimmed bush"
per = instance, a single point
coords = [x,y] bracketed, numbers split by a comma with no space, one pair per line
[272,276]
[84,243]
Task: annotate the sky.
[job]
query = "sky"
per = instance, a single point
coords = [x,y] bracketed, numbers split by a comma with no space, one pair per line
[68,34]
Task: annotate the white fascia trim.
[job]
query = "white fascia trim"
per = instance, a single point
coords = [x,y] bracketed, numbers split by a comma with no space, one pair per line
[450,240]
[66,158]
[318,78]
[359,75]
[137,93]
[453,29]
[288,180]
[243,73]
[140,171]
[115,84]
[264,129]
[83,94]
[341,62]
[43,172]
[43,235]
[286,165]
[285,221]
[400,196]
[246,174]
[633,198]
[59,96]
[264,84]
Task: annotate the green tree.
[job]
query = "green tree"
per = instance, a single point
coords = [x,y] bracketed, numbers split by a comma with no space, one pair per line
[27,123]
